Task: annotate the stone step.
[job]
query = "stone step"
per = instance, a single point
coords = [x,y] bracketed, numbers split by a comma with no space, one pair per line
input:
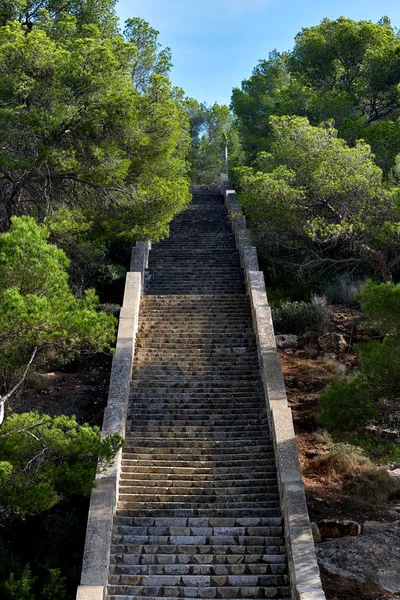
[190,513]
[190,521]
[185,425]
[197,580]
[128,568]
[199,488]
[247,552]
[206,594]
[239,447]
[211,432]
[178,478]
[175,530]
[215,504]
[199,467]
[198,499]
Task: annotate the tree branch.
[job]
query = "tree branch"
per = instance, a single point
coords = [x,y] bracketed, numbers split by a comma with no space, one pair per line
[3,399]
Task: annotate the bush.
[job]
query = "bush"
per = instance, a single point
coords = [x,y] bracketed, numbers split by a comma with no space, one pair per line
[343,461]
[346,404]
[344,290]
[380,362]
[381,304]
[301,317]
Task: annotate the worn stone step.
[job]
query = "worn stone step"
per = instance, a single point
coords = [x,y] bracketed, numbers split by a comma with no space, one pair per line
[248,503]
[209,436]
[249,551]
[181,488]
[222,463]
[206,594]
[124,568]
[193,521]
[190,513]
[199,467]
[200,428]
[204,530]
[181,477]
[191,590]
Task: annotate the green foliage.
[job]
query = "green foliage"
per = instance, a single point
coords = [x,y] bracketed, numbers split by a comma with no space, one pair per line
[212,127]
[51,459]
[77,135]
[381,303]
[20,589]
[87,12]
[37,307]
[380,363]
[149,58]
[350,402]
[346,404]
[54,587]
[312,185]
[344,70]
[301,317]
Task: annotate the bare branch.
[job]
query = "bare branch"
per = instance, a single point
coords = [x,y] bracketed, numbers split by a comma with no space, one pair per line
[36,457]
[3,399]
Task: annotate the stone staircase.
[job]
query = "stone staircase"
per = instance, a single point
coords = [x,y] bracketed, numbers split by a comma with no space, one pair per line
[198,511]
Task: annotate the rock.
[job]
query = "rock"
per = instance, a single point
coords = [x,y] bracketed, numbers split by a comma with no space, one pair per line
[372,556]
[332,528]
[287,340]
[290,381]
[333,342]
[395,474]
[316,533]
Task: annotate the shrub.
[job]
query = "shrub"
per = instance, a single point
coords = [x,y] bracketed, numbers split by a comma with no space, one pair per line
[344,290]
[301,317]
[343,461]
[380,363]
[372,485]
[346,404]
[356,473]
[381,303]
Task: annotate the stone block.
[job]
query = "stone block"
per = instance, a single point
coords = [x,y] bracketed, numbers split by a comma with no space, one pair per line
[126,333]
[114,420]
[86,592]
[272,376]
[303,567]
[121,370]
[250,259]
[132,294]
[285,445]
[98,532]
[317,595]
[257,292]
[264,329]
[139,258]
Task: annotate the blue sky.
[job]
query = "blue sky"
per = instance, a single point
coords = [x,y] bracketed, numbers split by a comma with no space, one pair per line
[216,43]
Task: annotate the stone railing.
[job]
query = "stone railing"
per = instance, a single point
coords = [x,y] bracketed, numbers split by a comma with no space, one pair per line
[104,495]
[303,568]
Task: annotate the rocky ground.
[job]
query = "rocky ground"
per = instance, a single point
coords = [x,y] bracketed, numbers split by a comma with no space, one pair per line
[366,567]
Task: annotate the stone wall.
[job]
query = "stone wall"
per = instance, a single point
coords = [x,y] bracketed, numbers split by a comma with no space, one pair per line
[105,493]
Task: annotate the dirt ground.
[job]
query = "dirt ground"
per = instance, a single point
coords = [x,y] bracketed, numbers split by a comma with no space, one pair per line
[80,389]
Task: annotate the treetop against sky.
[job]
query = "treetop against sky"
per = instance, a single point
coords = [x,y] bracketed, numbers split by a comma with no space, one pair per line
[216,43]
